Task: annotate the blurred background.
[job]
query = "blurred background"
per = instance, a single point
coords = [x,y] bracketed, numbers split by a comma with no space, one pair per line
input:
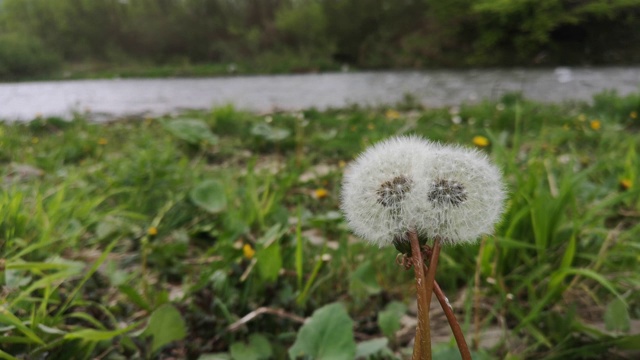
[196,215]
[84,38]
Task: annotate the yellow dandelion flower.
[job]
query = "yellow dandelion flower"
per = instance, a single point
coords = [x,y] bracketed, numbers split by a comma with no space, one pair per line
[370,126]
[102,141]
[248,251]
[626,184]
[582,117]
[342,164]
[633,115]
[152,231]
[35,140]
[595,124]
[320,193]
[392,114]
[480,141]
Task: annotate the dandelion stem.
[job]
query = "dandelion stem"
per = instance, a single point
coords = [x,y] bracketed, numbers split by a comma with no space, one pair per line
[422,343]
[453,322]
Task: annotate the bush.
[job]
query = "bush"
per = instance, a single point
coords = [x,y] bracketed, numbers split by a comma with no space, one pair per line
[25,56]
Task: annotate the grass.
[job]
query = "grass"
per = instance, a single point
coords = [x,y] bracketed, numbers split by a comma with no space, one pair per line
[154,238]
[268,63]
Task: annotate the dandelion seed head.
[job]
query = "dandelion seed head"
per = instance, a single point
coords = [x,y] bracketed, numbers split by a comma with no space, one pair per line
[378,197]
[464,196]
[408,183]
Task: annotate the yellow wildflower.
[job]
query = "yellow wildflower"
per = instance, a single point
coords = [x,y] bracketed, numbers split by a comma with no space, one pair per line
[633,115]
[248,251]
[153,231]
[102,141]
[35,140]
[626,184]
[320,193]
[595,124]
[370,126]
[392,114]
[582,117]
[342,164]
[480,141]
[566,127]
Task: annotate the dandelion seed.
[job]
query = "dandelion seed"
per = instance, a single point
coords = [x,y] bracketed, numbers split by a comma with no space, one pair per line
[480,141]
[152,231]
[595,124]
[248,251]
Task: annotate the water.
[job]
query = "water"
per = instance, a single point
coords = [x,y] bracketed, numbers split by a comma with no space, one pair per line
[108,99]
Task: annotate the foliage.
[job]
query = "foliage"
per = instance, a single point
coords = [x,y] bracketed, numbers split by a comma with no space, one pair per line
[24,55]
[205,37]
[108,231]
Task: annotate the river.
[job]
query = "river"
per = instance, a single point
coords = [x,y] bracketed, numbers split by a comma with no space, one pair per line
[115,98]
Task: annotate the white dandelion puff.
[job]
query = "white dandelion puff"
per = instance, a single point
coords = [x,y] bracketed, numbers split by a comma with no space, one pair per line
[378,191]
[464,195]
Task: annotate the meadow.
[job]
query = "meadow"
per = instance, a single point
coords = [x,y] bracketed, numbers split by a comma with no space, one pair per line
[215,234]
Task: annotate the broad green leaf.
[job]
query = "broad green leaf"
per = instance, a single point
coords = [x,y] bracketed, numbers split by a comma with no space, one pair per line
[616,316]
[261,345]
[241,351]
[269,262]
[209,195]
[363,280]
[258,348]
[370,347]
[389,318]
[193,131]
[165,325]
[328,335]
[270,133]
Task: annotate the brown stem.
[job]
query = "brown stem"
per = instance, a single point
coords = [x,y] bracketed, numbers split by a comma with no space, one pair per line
[453,322]
[428,288]
[422,343]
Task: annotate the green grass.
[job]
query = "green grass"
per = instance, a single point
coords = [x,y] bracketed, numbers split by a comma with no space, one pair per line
[107,230]
[267,63]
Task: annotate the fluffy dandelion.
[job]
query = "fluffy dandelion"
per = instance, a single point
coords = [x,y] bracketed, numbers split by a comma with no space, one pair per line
[378,192]
[463,193]
[405,188]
